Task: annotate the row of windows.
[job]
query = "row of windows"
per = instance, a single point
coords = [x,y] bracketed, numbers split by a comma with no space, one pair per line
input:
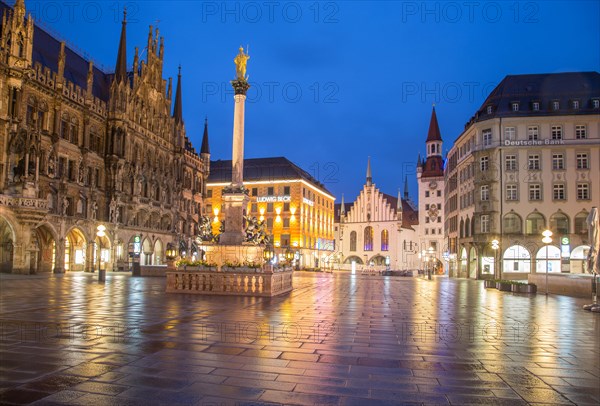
[534,162]
[271,191]
[559,191]
[368,240]
[432,231]
[428,219]
[554,105]
[438,193]
[533,133]
[535,223]
[558,161]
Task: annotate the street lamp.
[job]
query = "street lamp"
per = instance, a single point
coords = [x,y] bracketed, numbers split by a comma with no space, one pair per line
[100,232]
[431,258]
[268,253]
[547,240]
[289,255]
[170,252]
[495,246]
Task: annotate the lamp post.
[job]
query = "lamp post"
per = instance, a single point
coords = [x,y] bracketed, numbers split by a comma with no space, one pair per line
[430,258]
[495,246]
[289,256]
[547,240]
[100,232]
[170,254]
[268,254]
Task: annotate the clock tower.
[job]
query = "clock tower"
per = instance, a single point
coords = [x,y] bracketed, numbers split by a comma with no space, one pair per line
[430,176]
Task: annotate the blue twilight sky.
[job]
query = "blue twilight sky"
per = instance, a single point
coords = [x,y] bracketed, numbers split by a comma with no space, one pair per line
[334,82]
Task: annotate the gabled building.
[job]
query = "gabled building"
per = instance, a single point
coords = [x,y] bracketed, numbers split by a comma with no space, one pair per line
[81,147]
[376,230]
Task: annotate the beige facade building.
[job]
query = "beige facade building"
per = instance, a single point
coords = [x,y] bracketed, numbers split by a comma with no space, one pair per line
[81,147]
[529,160]
[376,231]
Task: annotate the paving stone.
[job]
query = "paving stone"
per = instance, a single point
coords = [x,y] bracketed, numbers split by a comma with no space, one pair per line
[21,396]
[62,397]
[54,383]
[336,339]
[296,398]
[100,387]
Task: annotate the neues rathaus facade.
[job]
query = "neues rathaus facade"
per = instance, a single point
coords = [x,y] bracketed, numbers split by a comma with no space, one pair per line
[80,148]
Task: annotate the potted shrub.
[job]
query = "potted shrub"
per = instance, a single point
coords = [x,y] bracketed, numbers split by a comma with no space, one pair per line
[527,288]
[503,286]
[489,283]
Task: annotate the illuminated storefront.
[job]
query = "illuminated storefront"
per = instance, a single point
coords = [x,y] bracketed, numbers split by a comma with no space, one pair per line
[296,208]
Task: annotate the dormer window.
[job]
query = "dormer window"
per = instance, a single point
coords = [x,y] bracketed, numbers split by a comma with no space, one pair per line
[489,109]
[576,104]
[515,107]
[536,106]
[555,105]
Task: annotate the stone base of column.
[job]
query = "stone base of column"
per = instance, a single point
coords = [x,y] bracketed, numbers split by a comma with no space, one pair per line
[234,205]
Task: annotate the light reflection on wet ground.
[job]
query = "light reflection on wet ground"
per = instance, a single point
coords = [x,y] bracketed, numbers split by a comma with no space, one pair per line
[336,339]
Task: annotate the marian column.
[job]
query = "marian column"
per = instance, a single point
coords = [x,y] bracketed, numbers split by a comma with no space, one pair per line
[235,198]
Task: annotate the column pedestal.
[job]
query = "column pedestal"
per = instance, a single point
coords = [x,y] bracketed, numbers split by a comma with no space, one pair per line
[234,207]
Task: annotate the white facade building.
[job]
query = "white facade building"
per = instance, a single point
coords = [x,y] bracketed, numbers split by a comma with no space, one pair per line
[376,231]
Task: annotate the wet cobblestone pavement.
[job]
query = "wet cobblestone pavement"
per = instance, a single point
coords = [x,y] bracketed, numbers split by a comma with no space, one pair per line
[335,340]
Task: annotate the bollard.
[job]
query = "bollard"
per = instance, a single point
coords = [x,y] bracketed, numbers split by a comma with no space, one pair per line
[101,275]
[429,274]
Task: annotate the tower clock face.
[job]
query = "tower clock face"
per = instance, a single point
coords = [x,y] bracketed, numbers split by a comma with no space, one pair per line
[433,184]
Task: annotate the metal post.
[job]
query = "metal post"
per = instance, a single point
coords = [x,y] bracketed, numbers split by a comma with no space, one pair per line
[547,269]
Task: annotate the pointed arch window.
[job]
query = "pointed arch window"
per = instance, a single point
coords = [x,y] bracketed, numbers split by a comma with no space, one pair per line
[353,241]
[385,240]
[368,238]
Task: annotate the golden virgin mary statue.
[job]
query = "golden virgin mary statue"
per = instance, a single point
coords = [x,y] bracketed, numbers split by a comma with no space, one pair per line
[241,60]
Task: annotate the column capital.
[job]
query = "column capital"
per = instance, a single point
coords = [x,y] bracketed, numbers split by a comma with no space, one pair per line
[240,86]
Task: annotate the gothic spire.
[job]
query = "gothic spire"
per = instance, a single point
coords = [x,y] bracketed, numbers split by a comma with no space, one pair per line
[399,203]
[369,176]
[178,110]
[434,128]
[205,149]
[121,66]
[342,208]
[405,187]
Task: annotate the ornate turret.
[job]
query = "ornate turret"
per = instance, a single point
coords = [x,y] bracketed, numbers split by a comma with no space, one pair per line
[342,210]
[434,165]
[17,40]
[406,187]
[369,174]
